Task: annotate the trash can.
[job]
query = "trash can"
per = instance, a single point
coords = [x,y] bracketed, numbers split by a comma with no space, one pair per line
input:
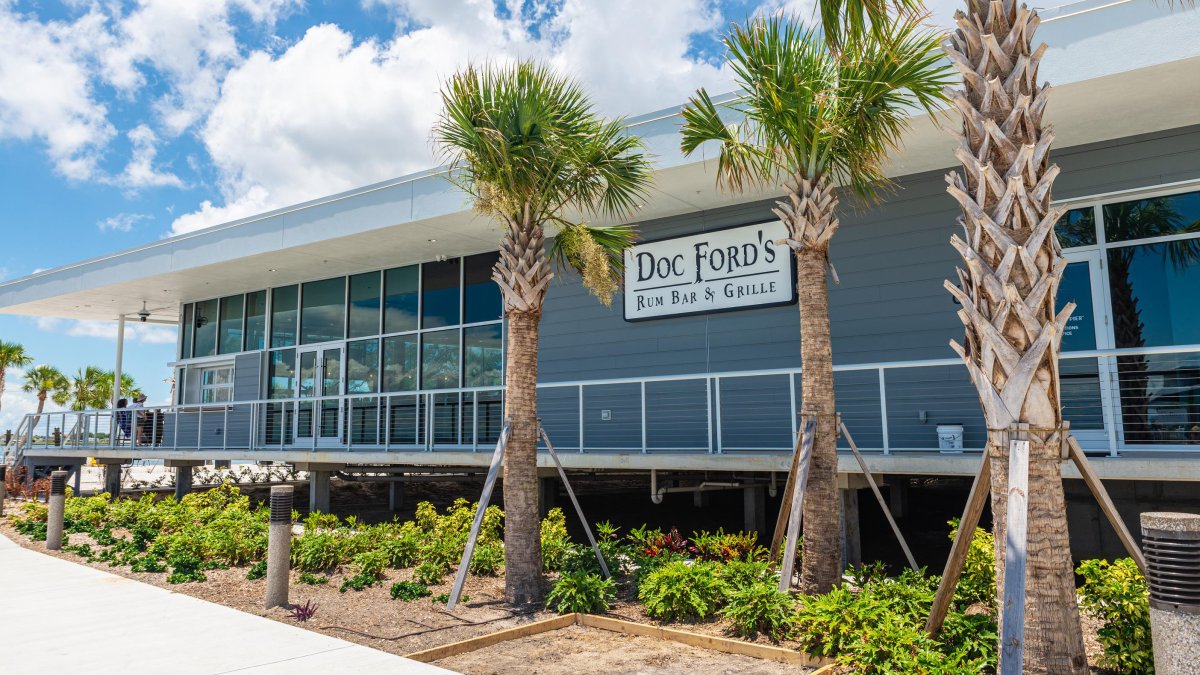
[950,437]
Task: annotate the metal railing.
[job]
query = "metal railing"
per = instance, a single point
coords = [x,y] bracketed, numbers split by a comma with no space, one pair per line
[1123,400]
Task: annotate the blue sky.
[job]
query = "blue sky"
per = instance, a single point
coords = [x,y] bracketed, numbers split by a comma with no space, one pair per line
[122,122]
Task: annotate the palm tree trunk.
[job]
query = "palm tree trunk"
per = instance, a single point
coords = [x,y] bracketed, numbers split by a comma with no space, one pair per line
[809,216]
[522,273]
[3,375]
[1012,265]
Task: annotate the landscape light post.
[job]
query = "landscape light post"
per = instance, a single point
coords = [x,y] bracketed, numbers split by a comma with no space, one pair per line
[279,546]
[1171,544]
[54,520]
[3,486]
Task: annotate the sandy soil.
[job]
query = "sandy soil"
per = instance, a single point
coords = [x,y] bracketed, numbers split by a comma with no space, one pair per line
[576,649]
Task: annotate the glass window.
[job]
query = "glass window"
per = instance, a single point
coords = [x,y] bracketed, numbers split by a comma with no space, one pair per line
[1160,398]
[283,316]
[482,356]
[1076,287]
[256,320]
[1153,286]
[400,363]
[362,369]
[230,338]
[364,305]
[216,384]
[481,295]
[1079,384]
[400,305]
[1154,217]
[281,374]
[1077,227]
[439,293]
[323,310]
[185,345]
[206,328]
[439,359]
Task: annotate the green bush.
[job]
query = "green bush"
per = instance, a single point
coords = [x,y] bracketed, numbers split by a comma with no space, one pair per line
[358,582]
[760,608]
[185,567]
[487,559]
[744,573]
[978,581]
[556,543]
[257,571]
[581,592]
[316,552]
[369,564]
[409,590]
[81,550]
[401,550]
[682,591]
[723,547]
[429,573]
[312,579]
[147,563]
[1117,594]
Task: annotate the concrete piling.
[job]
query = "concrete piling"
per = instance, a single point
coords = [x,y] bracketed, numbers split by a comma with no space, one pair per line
[54,521]
[1171,543]
[3,486]
[279,546]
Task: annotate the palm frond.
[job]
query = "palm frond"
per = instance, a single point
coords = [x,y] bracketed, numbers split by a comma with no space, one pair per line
[597,253]
[846,20]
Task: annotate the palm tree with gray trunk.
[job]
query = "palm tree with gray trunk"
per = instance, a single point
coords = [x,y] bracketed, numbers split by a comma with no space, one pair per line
[808,119]
[12,355]
[526,144]
[44,381]
[1007,286]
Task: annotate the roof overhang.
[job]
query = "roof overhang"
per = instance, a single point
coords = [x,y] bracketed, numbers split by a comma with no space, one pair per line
[1119,69]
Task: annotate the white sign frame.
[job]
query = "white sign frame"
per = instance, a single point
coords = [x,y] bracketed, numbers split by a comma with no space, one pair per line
[680,276]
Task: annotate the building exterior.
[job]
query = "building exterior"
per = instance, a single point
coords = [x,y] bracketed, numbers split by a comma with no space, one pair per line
[363,328]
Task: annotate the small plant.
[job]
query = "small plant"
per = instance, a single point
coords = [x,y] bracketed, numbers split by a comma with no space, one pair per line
[581,592]
[312,579]
[257,571]
[978,581]
[556,543]
[303,612]
[316,551]
[429,573]
[185,568]
[444,598]
[744,573]
[358,582]
[81,550]
[409,590]
[147,563]
[761,608]
[1118,595]
[487,559]
[679,590]
[369,564]
[723,547]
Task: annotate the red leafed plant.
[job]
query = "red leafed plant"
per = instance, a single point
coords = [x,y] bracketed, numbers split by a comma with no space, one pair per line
[669,543]
[303,612]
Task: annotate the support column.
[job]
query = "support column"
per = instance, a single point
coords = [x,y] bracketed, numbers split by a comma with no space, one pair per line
[279,546]
[54,520]
[1171,543]
[754,510]
[112,480]
[183,474]
[898,496]
[395,495]
[851,532]
[116,393]
[700,499]
[318,490]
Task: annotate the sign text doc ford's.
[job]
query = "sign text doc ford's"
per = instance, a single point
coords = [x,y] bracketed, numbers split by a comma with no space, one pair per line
[726,269]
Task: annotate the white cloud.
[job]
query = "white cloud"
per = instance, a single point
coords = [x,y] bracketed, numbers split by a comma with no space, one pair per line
[15,404]
[140,171]
[329,114]
[141,333]
[122,222]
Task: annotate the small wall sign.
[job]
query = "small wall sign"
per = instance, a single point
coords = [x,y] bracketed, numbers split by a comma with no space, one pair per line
[717,271]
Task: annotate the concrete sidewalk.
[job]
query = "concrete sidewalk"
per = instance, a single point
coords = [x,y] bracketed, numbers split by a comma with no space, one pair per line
[57,616]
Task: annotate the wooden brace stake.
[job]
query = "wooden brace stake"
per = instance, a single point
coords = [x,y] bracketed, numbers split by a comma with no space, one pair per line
[489,484]
[785,507]
[980,489]
[862,463]
[797,505]
[1106,504]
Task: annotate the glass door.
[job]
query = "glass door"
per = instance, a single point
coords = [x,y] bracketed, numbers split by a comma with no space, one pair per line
[319,377]
[1087,381]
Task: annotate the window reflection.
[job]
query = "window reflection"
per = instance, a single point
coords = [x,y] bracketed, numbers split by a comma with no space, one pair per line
[440,294]
[1077,227]
[439,359]
[1154,289]
[256,319]
[283,316]
[206,328]
[1160,398]
[281,374]
[481,295]
[1079,383]
[400,363]
[364,305]
[1153,217]
[400,306]
[362,369]
[185,347]
[482,356]
[323,306]
[231,324]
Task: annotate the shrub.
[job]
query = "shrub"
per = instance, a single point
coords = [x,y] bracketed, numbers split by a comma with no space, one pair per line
[429,573]
[408,590]
[978,581]
[312,579]
[316,552]
[744,573]
[81,550]
[556,543]
[761,608]
[444,598]
[581,592]
[723,547]
[358,582]
[369,564]
[401,550]
[257,571]
[679,590]
[184,568]
[487,559]
[1117,594]
[147,563]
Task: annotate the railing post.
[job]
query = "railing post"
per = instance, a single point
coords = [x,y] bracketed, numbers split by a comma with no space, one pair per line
[708,402]
[581,418]
[644,448]
[717,409]
[883,414]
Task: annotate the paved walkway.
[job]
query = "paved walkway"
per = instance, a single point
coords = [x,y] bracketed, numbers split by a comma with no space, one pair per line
[57,616]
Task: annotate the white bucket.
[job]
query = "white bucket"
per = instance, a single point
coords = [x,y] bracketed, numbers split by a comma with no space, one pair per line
[950,437]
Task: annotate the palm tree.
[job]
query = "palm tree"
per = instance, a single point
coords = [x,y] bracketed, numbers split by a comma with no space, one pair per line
[91,388]
[12,355]
[43,380]
[526,144]
[1012,264]
[812,119]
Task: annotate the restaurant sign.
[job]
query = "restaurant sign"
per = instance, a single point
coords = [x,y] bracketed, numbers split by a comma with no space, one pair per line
[717,271]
